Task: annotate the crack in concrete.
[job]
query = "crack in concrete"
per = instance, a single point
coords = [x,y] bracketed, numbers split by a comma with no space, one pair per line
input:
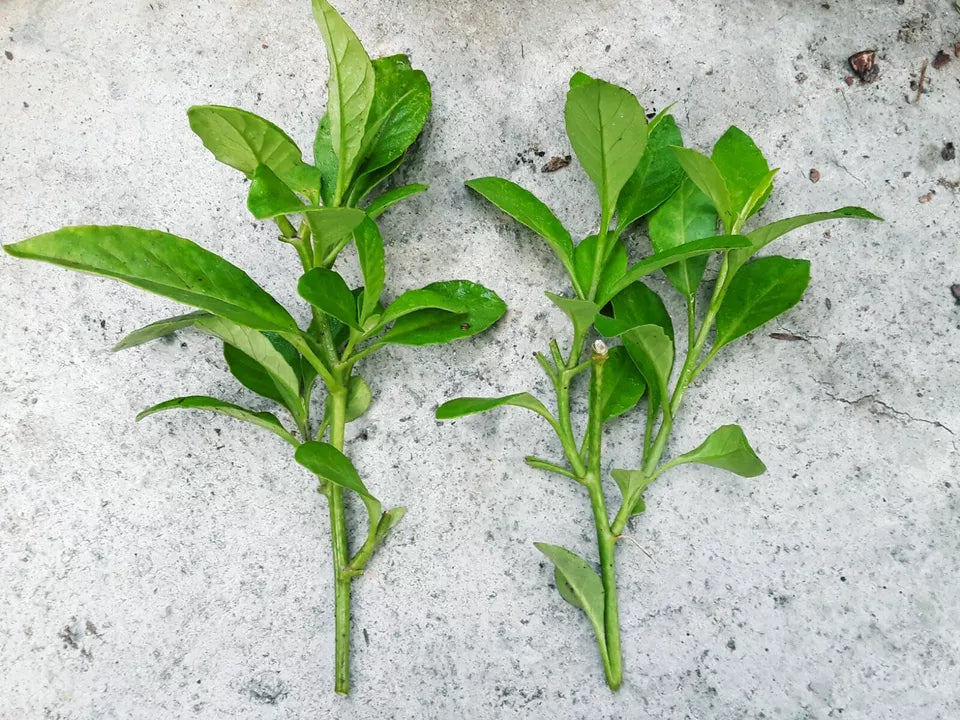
[872,399]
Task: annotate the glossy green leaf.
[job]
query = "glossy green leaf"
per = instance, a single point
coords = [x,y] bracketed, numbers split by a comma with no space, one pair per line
[743,168]
[524,207]
[760,291]
[329,226]
[623,384]
[326,160]
[763,236]
[580,312]
[760,194]
[652,352]
[269,196]
[629,482]
[608,131]
[706,176]
[159,329]
[655,178]
[331,465]
[669,257]
[401,103]
[688,215]
[579,79]
[441,312]
[328,292]
[726,448]
[634,306]
[246,141]
[579,585]
[251,374]
[372,265]
[265,420]
[359,398]
[258,347]
[584,259]
[350,91]
[365,183]
[392,197]
[163,264]
[461,407]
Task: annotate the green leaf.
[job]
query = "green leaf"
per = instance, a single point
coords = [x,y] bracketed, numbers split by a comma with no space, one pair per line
[331,465]
[634,306]
[524,207]
[743,168]
[372,265]
[265,420]
[365,183]
[629,482]
[726,448]
[389,520]
[326,160]
[579,585]
[258,347]
[763,236]
[328,292]
[349,91]
[401,103]
[359,398]
[441,312]
[760,291]
[652,352]
[706,176]
[163,264]
[245,141]
[669,257]
[392,197]
[269,196]
[688,215]
[579,79]
[329,226]
[580,312]
[656,177]
[623,385]
[608,131]
[584,258]
[251,374]
[159,329]
[461,407]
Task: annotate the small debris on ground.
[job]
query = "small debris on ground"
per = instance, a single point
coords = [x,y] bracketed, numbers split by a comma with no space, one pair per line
[949,152]
[941,59]
[8,54]
[928,197]
[814,175]
[955,291]
[556,163]
[923,76]
[849,79]
[787,336]
[864,64]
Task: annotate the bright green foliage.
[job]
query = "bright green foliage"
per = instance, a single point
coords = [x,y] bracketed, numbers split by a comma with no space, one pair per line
[642,170]
[376,110]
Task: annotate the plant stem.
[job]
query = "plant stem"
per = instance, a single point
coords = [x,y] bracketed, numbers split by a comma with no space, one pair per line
[341,555]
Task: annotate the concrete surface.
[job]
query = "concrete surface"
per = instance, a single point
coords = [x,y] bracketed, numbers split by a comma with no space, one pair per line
[178,568]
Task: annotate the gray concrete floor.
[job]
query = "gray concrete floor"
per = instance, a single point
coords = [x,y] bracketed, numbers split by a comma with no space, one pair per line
[178,568]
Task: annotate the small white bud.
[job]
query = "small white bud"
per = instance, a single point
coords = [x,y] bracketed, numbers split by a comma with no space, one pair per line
[599,349]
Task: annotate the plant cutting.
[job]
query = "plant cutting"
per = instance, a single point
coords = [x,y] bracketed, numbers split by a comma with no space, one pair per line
[696,207]
[375,111]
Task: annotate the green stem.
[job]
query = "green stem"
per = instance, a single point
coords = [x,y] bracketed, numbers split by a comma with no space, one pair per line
[341,556]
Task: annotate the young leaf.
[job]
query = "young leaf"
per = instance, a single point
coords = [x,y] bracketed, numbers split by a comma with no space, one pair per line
[652,352]
[461,407]
[327,291]
[579,585]
[392,197]
[365,183]
[743,168]
[159,329]
[258,347]
[329,226]
[608,131]
[269,196]
[401,103]
[669,257]
[372,265]
[326,160]
[331,465]
[760,291]
[763,236]
[349,91]
[163,264]
[726,448]
[580,312]
[265,420]
[705,174]
[245,141]
[688,215]
[524,207]
[584,258]
[359,398]
[623,385]
[629,482]
[634,306]
[441,312]
[656,177]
